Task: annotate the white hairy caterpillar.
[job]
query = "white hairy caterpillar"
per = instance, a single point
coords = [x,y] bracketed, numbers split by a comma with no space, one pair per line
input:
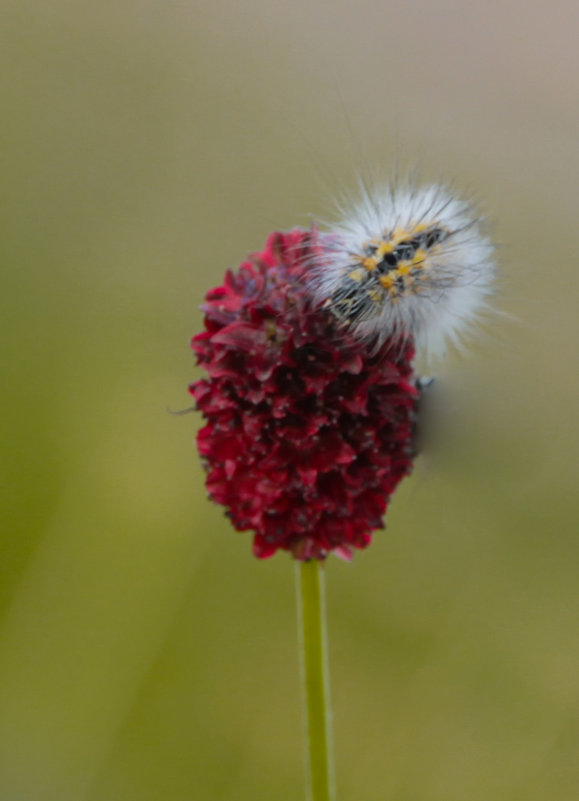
[407,262]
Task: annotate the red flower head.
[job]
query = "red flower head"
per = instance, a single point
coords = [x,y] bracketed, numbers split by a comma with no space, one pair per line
[309,429]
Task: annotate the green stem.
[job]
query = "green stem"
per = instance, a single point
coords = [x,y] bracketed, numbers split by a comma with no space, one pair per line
[315,678]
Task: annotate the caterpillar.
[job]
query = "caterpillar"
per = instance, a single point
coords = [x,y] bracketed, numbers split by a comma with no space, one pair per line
[406,261]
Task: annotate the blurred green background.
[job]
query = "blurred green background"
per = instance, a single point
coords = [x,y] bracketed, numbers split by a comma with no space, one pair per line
[144,654]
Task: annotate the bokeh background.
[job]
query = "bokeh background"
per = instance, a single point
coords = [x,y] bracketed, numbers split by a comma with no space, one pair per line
[144,654]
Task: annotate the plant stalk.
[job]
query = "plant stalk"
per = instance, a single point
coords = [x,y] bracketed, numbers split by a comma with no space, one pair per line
[313,644]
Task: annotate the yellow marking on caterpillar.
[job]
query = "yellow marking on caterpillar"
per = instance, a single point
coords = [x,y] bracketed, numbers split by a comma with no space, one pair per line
[357,275]
[385,247]
[387,280]
[420,227]
[403,268]
[402,235]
